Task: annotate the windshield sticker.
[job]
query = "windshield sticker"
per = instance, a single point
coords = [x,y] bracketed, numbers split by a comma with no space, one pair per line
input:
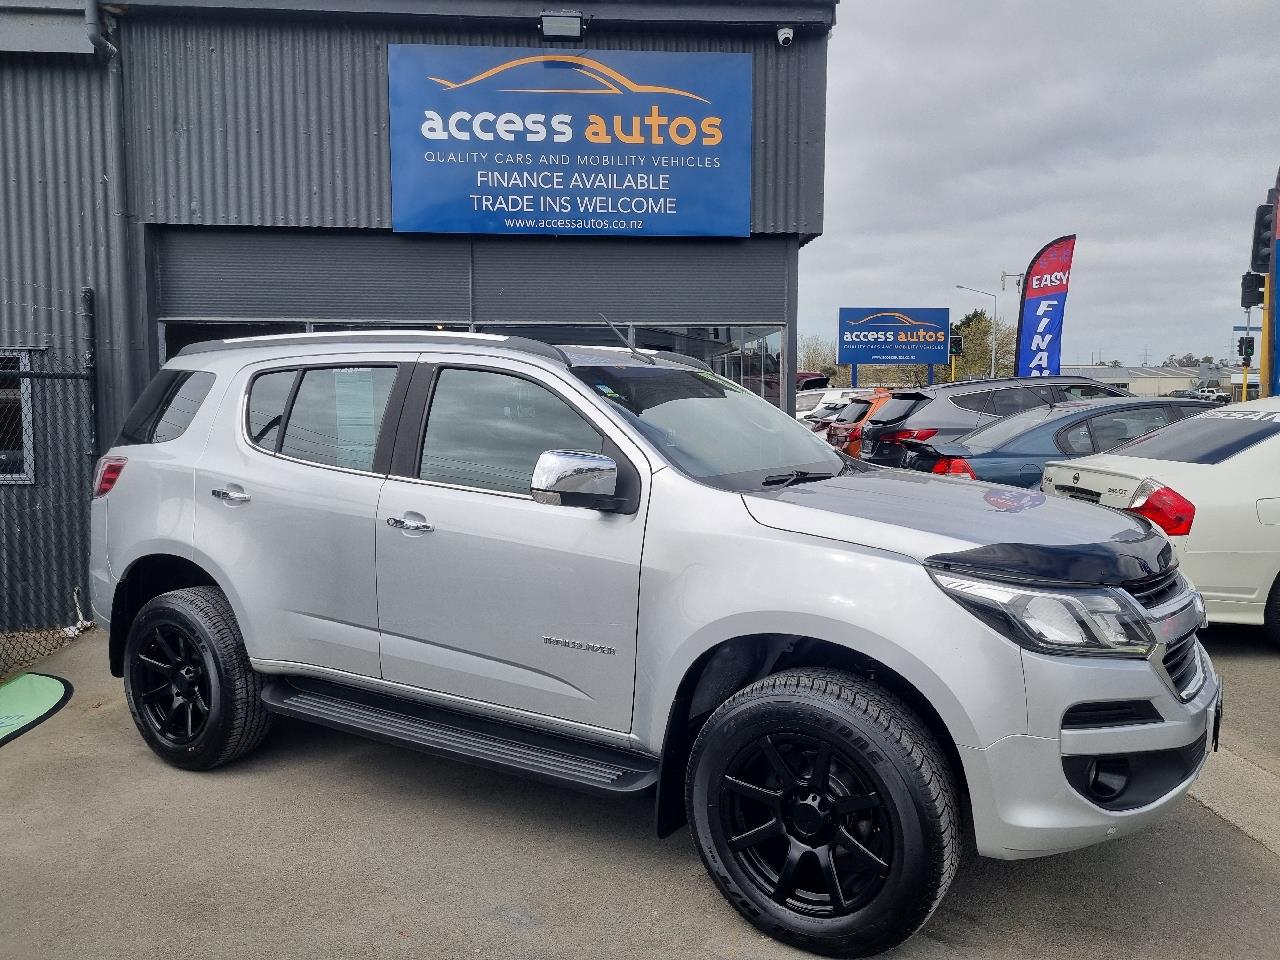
[608,391]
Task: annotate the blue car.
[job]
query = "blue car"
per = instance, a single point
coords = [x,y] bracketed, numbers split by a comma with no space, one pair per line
[1014,450]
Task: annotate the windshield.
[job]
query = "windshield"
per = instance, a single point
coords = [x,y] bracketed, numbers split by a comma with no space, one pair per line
[1211,437]
[996,435]
[710,428]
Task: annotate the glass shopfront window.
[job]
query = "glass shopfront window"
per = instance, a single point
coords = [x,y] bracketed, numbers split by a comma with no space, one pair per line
[752,356]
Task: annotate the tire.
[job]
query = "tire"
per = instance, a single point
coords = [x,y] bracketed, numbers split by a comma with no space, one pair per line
[775,833]
[192,693]
[1271,615]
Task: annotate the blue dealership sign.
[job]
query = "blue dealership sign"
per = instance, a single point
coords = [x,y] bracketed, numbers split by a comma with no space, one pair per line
[894,335]
[527,141]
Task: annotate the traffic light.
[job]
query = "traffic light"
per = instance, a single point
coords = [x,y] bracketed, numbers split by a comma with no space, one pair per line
[1251,290]
[1264,237]
[957,345]
[1246,349]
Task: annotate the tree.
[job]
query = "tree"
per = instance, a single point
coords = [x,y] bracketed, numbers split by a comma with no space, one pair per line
[819,355]
[975,327]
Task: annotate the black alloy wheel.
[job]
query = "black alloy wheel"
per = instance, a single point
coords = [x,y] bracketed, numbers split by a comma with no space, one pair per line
[806,822]
[171,674]
[825,810]
[190,686]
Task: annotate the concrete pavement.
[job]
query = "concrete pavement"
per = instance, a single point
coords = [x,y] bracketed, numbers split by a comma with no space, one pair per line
[328,846]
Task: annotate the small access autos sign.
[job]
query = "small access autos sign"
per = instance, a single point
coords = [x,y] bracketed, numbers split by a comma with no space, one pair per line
[894,335]
[524,141]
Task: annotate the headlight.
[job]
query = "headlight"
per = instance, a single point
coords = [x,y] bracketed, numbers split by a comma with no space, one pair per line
[1089,622]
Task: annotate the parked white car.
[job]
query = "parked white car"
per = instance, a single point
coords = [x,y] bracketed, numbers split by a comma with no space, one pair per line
[811,402]
[1212,483]
[1213,393]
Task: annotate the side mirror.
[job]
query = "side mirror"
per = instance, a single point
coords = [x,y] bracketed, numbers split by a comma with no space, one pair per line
[574,478]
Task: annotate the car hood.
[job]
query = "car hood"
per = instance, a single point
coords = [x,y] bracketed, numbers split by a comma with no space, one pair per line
[988,529]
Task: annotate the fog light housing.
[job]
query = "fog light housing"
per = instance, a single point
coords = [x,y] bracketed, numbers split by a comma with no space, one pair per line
[1107,778]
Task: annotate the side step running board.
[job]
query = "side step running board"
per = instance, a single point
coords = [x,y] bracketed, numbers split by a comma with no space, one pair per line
[446,733]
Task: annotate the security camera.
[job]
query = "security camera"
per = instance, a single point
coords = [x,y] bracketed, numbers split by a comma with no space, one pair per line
[785,36]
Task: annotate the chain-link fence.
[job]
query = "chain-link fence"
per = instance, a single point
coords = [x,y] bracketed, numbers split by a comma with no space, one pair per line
[46,465]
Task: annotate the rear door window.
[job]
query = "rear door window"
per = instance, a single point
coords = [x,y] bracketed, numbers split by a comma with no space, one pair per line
[336,416]
[1211,437]
[1088,391]
[1112,429]
[167,407]
[1007,402]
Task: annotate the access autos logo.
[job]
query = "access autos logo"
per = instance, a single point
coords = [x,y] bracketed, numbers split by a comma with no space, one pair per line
[892,327]
[574,74]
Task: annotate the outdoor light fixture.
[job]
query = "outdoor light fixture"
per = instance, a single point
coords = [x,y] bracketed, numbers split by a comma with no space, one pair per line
[565,25]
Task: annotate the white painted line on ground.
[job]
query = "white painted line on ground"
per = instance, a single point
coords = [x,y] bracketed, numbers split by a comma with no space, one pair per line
[1243,794]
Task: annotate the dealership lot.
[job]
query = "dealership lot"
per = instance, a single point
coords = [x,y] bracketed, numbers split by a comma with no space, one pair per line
[334,846]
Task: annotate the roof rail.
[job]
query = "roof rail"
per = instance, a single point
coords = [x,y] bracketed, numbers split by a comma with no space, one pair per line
[419,338]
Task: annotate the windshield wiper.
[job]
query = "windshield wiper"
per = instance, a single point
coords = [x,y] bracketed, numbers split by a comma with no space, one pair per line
[794,477]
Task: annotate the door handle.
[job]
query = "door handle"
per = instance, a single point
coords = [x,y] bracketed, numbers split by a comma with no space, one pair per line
[231,496]
[409,526]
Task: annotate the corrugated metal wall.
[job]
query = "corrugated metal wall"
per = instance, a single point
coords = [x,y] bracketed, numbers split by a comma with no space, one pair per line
[54,221]
[314,274]
[274,122]
[657,280]
[374,275]
[53,208]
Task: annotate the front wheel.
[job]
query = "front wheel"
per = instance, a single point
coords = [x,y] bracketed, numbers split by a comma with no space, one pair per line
[194,696]
[1271,614]
[825,812]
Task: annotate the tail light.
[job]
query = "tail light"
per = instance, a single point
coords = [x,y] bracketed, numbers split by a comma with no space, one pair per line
[106,475]
[954,467]
[1165,507]
[897,436]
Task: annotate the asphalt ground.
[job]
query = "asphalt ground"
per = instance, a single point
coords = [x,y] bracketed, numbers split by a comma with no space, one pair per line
[323,845]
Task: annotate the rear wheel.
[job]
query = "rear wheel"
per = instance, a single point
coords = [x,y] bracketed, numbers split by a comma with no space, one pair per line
[824,811]
[192,692]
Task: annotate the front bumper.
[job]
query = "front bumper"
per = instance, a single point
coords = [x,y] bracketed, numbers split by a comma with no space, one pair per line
[1023,804]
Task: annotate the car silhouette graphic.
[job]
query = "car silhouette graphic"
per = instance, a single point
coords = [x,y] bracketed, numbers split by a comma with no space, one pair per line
[606,79]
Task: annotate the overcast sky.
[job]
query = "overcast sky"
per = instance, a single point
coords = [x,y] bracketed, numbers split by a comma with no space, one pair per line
[961,137]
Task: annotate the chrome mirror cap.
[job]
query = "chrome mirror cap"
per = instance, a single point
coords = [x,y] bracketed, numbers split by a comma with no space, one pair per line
[575,478]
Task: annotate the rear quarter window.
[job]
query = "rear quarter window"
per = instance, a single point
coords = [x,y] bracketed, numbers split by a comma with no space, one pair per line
[980,402]
[1211,437]
[167,407]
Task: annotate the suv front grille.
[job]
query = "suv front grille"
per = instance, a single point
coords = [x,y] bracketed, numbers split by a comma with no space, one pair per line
[1182,664]
[1153,591]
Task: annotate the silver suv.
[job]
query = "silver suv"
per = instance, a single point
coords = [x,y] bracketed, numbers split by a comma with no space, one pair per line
[593,567]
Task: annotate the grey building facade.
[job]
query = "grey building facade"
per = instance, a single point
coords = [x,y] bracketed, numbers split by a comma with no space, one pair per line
[180,170]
